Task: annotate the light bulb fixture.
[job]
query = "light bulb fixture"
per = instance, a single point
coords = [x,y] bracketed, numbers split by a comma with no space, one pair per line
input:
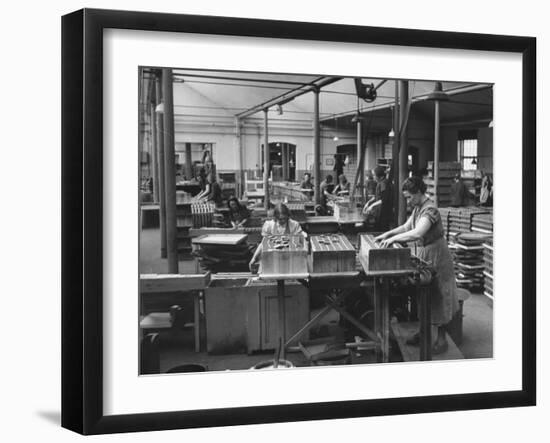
[438,94]
[491,124]
[160,108]
[357,118]
[279,110]
[391,134]
[335,138]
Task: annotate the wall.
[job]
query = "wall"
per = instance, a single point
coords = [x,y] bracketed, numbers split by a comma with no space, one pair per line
[449,140]
[30,381]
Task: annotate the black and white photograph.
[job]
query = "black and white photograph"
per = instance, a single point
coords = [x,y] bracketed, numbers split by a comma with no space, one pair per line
[293,222]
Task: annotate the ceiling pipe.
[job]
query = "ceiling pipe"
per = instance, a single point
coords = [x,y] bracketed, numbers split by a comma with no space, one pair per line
[415,99]
[287,97]
[241,79]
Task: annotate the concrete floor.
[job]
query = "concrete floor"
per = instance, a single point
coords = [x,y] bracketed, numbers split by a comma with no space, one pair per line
[477,339]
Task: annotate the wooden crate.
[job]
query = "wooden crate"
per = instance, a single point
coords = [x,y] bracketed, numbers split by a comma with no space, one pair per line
[331,253]
[377,260]
[284,254]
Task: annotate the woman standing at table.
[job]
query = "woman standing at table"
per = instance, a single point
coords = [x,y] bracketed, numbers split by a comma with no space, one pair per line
[424,227]
[281,224]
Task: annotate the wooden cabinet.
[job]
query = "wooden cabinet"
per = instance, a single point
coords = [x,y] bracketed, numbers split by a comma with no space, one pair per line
[264,334]
[242,315]
[230,307]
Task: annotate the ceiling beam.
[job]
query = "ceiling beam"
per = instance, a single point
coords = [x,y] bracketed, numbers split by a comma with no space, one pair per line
[286,97]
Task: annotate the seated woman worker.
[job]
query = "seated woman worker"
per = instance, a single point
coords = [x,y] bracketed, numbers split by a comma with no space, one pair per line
[342,188]
[238,214]
[424,227]
[281,224]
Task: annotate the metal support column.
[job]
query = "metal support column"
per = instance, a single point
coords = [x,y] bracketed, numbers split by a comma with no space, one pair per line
[403,147]
[316,147]
[188,162]
[240,147]
[395,156]
[436,152]
[437,96]
[282,316]
[170,171]
[159,117]
[361,159]
[154,149]
[266,161]
[284,160]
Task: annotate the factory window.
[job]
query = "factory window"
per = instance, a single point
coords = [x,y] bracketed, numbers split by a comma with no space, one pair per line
[467,150]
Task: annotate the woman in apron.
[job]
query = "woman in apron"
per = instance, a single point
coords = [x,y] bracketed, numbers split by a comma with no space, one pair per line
[424,227]
[281,224]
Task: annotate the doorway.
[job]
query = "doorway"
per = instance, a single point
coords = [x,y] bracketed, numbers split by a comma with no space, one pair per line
[282,161]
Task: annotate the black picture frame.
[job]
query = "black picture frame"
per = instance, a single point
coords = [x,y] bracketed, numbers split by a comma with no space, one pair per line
[82,230]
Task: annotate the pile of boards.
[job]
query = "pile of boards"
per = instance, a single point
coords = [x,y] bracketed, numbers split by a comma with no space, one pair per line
[483,222]
[223,253]
[488,272]
[466,219]
[447,171]
[203,214]
[467,250]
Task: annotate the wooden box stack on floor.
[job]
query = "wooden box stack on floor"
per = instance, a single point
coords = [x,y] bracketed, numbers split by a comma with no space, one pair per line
[447,171]
[445,212]
[331,253]
[184,221]
[488,272]
[468,260]
[284,254]
[483,222]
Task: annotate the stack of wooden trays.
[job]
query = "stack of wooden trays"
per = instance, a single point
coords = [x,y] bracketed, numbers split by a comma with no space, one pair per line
[468,260]
[445,212]
[482,222]
[203,214]
[488,272]
[227,252]
[331,253]
[447,171]
[184,221]
[461,219]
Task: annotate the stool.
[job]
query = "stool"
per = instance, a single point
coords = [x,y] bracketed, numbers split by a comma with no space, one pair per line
[454,327]
[163,321]
[149,354]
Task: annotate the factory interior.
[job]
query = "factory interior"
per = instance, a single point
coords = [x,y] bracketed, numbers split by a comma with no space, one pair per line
[264,199]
